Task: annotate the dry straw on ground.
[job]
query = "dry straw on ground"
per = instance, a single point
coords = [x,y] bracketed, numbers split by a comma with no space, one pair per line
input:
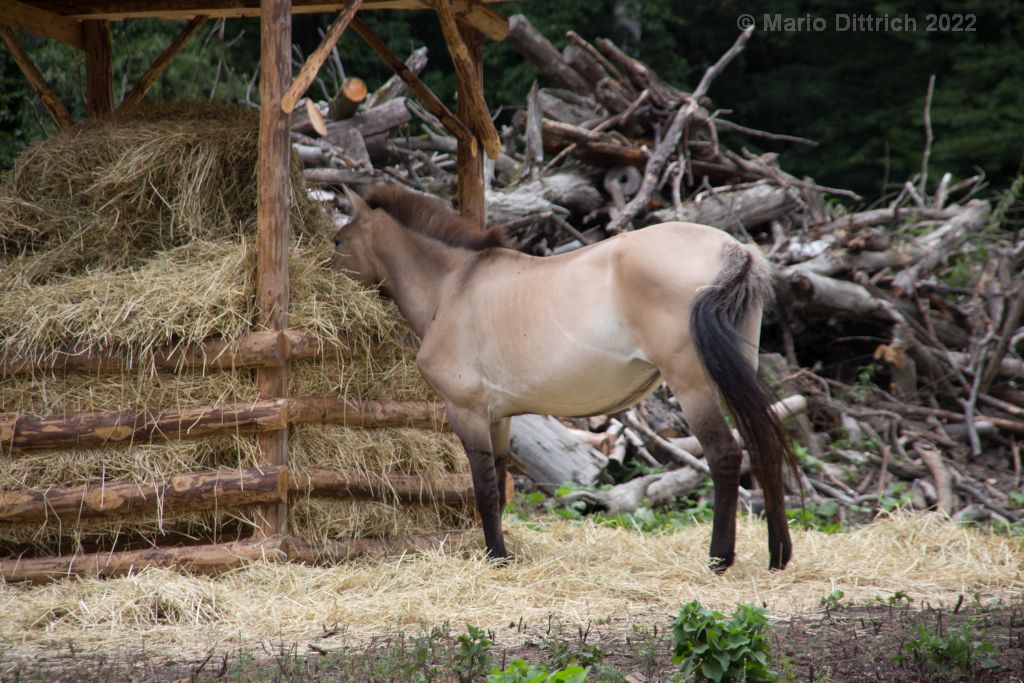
[137,233]
[573,572]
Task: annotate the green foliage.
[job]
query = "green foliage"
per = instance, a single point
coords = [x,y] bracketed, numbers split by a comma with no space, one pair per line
[1016,499]
[562,652]
[823,516]
[473,657]
[710,647]
[895,497]
[519,671]
[897,598]
[833,600]
[960,652]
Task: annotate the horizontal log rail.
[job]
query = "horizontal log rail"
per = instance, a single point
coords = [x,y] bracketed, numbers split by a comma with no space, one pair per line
[255,350]
[213,559]
[223,488]
[100,429]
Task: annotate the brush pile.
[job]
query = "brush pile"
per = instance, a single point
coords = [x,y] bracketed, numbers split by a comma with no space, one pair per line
[898,331]
[134,235]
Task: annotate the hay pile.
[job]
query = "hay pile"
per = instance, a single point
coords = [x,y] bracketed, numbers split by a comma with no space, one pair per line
[579,573]
[136,233]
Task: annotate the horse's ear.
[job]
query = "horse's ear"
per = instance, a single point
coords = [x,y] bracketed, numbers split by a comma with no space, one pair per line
[359,206]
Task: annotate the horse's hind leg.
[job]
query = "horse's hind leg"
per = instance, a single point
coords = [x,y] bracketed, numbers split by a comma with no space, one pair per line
[723,455]
[474,431]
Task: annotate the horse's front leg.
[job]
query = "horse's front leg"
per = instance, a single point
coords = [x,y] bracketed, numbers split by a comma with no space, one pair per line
[501,436]
[475,432]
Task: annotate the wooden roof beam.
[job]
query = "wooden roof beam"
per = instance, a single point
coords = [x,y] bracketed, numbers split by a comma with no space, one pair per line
[474,12]
[41,22]
[430,101]
[148,79]
[50,100]
[316,60]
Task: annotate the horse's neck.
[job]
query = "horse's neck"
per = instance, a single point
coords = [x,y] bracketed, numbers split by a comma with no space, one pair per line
[416,269]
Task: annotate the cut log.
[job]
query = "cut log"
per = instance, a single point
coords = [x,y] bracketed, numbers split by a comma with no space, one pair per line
[642,76]
[733,209]
[560,193]
[212,559]
[348,98]
[536,48]
[451,488]
[225,488]
[122,427]
[939,245]
[99,429]
[551,455]
[386,118]
[333,177]
[255,350]
[221,489]
[650,489]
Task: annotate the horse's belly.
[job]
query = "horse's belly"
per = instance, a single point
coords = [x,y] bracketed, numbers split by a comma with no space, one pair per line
[581,389]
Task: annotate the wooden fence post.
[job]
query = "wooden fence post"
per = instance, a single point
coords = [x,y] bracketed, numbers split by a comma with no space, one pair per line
[99,75]
[470,157]
[274,185]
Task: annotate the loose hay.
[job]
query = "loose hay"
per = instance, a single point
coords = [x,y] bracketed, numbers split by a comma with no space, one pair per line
[136,234]
[574,572]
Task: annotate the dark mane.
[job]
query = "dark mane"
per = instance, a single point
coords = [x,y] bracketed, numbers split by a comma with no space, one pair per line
[433,218]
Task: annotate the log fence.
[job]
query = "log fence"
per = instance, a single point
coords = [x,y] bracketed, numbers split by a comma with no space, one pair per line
[272,346]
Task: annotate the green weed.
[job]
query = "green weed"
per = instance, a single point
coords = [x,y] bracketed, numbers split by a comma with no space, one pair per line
[710,647]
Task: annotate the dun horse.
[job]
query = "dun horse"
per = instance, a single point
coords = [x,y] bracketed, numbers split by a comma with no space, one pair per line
[588,332]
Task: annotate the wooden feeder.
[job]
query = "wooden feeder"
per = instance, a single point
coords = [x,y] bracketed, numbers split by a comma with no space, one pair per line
[84,24]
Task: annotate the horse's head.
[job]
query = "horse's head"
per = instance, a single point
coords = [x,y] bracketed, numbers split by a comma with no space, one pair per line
[353,243]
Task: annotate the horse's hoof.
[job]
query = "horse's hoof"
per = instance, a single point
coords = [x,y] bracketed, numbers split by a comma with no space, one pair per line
[720,563]
[778,561]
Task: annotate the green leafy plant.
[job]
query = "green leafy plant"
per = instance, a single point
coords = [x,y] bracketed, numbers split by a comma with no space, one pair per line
[961,651]
[897,496]
[473,657]
[823,516]
[895,599]
[833,600]
[710,647]
[519,671]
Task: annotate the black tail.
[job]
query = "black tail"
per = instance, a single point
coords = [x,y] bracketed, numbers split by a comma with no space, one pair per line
[742,286]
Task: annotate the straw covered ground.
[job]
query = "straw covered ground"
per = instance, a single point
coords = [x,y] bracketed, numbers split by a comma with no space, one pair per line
[574,573]
[137,233]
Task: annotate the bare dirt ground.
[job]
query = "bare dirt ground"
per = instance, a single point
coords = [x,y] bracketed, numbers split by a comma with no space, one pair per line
[892,640]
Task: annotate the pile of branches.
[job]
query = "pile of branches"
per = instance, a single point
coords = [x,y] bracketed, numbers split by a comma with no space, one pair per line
[898,332]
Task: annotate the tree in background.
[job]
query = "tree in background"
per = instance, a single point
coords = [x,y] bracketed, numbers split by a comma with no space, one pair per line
[859,94]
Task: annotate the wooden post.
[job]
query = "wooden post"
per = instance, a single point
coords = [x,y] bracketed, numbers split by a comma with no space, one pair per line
[50,100]
[469,157]
[99,76]
[274,227]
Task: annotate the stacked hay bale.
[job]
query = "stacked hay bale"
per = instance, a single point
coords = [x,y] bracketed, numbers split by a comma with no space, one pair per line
[135,234]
